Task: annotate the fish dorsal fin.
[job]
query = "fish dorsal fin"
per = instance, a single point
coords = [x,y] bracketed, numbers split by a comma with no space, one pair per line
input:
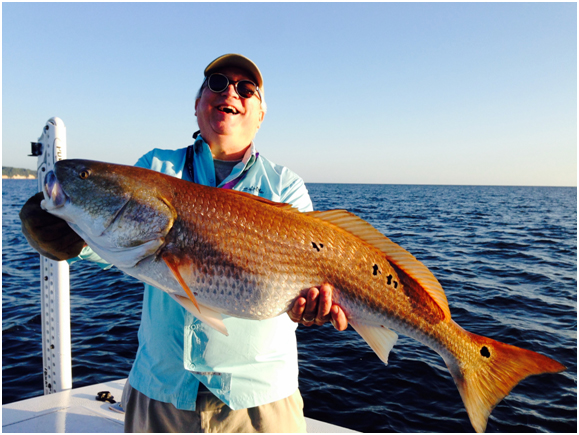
[395,254]
[281,205]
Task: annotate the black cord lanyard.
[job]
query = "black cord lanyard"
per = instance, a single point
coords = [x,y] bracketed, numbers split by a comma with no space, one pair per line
[189,164]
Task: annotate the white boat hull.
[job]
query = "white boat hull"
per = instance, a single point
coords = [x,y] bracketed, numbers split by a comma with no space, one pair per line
[77,411]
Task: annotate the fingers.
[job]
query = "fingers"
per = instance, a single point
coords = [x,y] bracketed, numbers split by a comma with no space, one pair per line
[310,311]
[305,308]
[297,310]
[316,307]
[324,304]
[339,319]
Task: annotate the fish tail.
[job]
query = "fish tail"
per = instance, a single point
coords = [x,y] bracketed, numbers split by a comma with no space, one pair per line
[487,370]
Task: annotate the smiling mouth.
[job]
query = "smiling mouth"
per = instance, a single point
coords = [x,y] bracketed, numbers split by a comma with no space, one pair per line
[228,109]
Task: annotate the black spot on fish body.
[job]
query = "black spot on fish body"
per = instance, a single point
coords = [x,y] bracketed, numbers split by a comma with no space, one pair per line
[376,270]
[316,247]
[395,284]
[485,352]
[389,280]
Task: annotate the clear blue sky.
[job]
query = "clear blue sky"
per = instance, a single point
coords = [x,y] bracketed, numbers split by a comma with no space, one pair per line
[409,93]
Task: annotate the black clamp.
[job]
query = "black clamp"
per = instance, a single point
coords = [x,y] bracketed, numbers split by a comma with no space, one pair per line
[105,396]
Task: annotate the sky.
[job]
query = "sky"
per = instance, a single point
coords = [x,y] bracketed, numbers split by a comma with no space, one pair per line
[389,93]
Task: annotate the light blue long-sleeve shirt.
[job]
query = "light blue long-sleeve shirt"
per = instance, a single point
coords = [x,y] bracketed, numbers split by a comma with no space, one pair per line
[257,363]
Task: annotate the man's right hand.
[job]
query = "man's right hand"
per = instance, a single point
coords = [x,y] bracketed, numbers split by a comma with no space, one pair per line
[49,235]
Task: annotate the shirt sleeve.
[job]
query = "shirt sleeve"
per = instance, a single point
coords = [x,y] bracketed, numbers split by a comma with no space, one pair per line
[88,254]
[297,195]
[145,161]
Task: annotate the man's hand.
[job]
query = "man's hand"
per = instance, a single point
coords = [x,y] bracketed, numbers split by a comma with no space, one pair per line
[317,308]
[49,235]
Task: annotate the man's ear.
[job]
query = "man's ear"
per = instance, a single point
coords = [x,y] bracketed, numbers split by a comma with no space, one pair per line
[261,116]
[196,104]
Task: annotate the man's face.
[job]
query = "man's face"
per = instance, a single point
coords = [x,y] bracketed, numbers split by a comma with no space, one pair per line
[226,116]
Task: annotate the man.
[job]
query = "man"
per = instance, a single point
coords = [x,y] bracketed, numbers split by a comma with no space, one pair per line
[186,376]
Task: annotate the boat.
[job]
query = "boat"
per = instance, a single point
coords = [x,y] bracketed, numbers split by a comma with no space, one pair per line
[78,411]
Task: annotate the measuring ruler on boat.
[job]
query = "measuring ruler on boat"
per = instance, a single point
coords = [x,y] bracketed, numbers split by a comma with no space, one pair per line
[54,276]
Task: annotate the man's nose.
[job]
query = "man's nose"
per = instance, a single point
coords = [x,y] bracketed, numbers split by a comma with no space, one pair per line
[230,90]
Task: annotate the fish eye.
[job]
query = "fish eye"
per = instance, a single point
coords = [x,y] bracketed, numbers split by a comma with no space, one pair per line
[84,174]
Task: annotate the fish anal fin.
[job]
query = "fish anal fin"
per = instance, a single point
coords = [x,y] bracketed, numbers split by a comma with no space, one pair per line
[207,315]
[173,265]
[395,254]
[378,337]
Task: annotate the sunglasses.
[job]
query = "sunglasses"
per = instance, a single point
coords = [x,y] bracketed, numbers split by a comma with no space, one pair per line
[218,82]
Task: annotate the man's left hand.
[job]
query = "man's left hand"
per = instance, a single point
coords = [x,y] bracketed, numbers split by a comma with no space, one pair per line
[317,308]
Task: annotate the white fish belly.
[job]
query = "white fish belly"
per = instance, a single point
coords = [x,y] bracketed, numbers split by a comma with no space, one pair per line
[231,292]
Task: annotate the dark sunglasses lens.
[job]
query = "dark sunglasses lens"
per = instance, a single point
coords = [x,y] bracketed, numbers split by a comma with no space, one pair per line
[246,89]
[217,82]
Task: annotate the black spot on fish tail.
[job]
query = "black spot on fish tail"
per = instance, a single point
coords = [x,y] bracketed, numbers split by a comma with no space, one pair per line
[376,270]
[485,352]
[389,279]
[395,284]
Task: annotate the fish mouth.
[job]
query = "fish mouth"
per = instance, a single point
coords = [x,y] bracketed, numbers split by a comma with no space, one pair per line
[54,196]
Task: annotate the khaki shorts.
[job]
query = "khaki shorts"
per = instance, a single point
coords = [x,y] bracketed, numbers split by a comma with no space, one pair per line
[143,414]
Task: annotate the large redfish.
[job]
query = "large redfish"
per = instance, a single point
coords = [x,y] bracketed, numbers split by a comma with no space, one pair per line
[220,251]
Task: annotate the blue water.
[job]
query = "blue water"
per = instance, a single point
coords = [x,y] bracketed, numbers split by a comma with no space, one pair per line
[506,256]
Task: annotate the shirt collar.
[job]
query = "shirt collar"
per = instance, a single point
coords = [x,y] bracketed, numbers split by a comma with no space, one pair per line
[248,159]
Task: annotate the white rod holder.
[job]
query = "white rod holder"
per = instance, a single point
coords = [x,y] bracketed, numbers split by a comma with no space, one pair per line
[54,277]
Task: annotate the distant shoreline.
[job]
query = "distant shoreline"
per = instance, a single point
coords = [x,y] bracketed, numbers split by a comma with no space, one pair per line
[10,173]
[18,177]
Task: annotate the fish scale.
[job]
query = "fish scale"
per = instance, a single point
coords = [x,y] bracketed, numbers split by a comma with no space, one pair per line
[287,255]
[219,252]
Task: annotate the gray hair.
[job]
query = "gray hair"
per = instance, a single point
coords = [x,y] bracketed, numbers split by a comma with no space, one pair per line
[263,104]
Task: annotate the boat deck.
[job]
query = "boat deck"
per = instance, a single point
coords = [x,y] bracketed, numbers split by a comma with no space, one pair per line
[78,411]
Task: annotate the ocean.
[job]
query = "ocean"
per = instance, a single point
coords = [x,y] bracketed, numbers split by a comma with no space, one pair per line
[506,257]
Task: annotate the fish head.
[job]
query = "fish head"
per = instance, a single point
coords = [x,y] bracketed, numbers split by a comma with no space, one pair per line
[122,212]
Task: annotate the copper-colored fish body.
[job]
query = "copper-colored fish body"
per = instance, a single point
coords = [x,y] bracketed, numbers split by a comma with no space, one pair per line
[224,252]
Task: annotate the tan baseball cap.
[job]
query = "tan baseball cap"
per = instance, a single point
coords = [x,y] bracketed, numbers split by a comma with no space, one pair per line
[239,61]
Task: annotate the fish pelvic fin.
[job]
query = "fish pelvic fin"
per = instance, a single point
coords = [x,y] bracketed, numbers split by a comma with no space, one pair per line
[207,315]
[378,337]
[485,378]
[173,265]
[395,254]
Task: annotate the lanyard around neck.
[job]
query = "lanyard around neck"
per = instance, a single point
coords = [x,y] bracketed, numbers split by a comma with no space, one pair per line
[190,168]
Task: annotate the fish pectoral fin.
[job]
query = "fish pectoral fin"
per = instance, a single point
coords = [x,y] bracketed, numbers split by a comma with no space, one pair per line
[207,315]
[173,265]
[380,338]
